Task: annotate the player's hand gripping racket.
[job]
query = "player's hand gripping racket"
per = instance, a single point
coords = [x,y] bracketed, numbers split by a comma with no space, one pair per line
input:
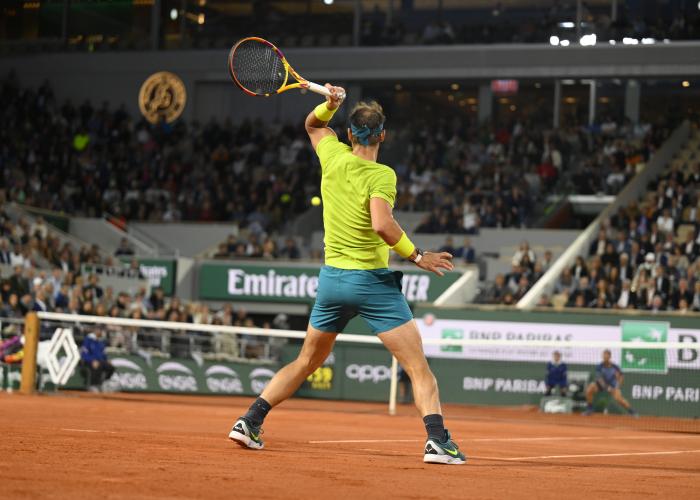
[259,68]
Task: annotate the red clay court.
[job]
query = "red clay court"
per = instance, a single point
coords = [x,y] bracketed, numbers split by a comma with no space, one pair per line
[120,446]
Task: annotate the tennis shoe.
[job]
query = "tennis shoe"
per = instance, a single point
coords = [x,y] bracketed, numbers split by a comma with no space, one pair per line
[443,452]
[246,435]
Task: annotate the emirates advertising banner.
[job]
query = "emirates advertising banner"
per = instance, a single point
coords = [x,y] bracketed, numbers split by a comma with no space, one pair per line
[256,283]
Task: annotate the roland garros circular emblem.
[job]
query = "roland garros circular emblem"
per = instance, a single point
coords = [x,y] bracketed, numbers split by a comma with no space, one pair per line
[162,97]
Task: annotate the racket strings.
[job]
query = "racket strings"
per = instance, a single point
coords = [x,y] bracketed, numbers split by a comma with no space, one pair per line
[258,67]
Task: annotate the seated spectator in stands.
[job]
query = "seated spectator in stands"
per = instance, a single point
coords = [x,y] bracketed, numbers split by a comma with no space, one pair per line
[547,260]
[466,252]
[12,308]
[290,250]
[95,366]
[662,284]
[18,283]
[427,224]
[156,301]
[690,248]
[448,246]
[5,252]
[524,253]
[583,288]
[695,303]
[508,299]
[494,294]
[557,375]
[221,252]
[513,277]
[598,246]
[682,293]
[566,283]
[579,269]
[627,299]
[610,258]
[665,221]
[600,302]
[124,248]
[657,304]
[523,287]
[94,285]
[269,249]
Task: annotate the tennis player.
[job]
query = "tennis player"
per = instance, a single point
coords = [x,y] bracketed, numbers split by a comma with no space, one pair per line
[358,196]
[608,378]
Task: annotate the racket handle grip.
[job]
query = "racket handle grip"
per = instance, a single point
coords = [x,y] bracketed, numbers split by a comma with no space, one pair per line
[320,89]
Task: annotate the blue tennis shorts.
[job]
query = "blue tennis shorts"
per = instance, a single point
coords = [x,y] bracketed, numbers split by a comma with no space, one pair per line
[373,294]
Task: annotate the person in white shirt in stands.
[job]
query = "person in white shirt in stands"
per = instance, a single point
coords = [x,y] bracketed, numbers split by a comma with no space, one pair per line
[522,252]
[665,221]
[627,298]
[39,226]
[16,256]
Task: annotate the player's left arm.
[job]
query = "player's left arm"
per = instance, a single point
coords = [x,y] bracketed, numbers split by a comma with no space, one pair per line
[316,123]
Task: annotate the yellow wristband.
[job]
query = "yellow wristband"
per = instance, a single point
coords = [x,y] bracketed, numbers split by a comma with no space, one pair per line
[323,113]
[404,247]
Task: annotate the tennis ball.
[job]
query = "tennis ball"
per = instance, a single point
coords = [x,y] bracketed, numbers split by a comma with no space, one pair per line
[315,201]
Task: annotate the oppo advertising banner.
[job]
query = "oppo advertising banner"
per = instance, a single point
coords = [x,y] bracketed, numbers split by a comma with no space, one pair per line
[258,283]
[651,360]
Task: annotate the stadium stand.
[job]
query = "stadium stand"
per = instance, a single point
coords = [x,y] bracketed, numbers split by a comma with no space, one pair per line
[296,24]
[648,255]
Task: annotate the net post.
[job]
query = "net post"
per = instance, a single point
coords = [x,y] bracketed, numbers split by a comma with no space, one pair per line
[394,385]
[31,343]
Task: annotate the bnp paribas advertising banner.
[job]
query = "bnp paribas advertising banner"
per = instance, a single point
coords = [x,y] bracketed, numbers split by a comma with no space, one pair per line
[658,380]
[254,283]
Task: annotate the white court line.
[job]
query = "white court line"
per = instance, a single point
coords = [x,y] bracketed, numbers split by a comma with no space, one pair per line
[513,439]
[343,441]
[88,430]
[575,438]
[595,455]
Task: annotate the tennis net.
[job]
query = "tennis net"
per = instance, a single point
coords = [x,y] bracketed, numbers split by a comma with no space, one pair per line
[661,381]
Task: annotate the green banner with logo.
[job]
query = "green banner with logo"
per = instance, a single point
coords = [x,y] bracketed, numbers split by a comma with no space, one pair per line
[159,272]
[648,332]
[258,283]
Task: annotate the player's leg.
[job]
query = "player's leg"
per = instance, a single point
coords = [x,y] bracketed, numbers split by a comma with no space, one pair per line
[317,346]
[591,391]
[617,396]
[406,345]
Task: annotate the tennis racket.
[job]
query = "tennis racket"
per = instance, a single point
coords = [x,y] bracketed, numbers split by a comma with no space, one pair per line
[260,69]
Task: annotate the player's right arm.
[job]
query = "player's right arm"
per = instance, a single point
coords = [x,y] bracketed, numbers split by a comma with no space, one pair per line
[316,123]
[384,224]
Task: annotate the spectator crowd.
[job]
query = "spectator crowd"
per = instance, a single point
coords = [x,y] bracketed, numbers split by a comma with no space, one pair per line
[645,257]
[469,177]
